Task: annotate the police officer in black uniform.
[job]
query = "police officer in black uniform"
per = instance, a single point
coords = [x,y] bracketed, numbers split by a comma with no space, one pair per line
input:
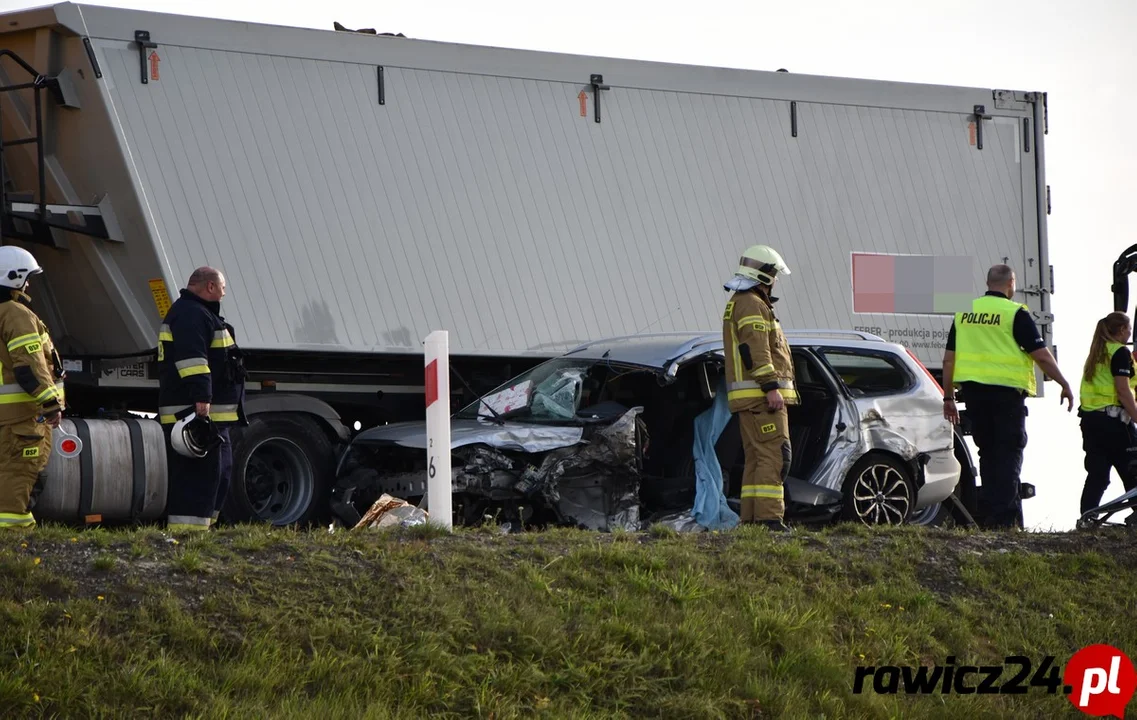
[991,353]
[200,373]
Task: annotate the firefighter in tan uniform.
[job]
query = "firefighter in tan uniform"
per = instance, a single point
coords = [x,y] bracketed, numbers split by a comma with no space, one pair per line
[31,396]
[760,383]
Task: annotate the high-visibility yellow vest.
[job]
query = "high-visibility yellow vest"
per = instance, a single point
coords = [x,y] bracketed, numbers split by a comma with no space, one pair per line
[985,347]
[1099,391]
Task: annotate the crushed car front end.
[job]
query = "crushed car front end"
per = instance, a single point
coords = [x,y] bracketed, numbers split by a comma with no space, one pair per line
[523,455]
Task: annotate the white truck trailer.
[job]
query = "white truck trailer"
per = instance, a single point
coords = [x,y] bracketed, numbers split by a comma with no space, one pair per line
[360,191]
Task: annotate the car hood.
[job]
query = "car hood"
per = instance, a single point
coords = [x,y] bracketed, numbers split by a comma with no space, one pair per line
[510,436]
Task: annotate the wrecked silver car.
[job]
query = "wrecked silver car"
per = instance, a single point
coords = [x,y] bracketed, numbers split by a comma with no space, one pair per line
[624,432]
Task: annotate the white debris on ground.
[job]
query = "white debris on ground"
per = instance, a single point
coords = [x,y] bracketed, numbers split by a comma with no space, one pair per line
[389,511]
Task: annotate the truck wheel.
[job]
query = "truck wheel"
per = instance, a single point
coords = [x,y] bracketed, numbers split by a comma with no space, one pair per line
[282,468]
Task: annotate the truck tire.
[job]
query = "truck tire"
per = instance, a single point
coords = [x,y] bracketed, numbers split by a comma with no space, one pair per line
[282,469]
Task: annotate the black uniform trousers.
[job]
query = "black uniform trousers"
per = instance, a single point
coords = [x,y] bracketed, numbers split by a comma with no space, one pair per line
[998,427]
[226,479]
[197,487]
[1109,443]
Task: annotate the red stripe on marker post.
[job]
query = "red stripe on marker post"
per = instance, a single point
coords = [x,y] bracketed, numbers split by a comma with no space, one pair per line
[437,390]
[431,383]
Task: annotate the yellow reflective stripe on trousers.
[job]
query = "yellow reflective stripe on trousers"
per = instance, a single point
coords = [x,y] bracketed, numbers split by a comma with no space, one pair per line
[786,393]
[749,394]
[175,527]
[222,339]
[770,492]
[16,520]
[187,522]
[192,366]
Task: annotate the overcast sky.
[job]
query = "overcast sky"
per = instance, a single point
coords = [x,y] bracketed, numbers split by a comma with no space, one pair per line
[1083,54]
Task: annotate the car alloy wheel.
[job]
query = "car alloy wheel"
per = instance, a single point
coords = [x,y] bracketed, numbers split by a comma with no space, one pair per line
[881,495]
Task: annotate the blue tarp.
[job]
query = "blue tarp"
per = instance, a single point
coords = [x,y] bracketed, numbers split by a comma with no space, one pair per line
[711,509]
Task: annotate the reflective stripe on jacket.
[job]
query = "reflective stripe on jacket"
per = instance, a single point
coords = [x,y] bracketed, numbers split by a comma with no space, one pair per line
[1100,392]
[31,371]
[198,361]
[758,357]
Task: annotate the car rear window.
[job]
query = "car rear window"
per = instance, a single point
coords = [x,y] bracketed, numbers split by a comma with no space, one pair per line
[869,373]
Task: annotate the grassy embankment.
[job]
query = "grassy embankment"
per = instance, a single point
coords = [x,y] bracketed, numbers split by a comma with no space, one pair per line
[256,622]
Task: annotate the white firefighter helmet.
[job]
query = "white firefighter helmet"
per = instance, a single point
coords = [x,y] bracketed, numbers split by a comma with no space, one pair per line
[761,263]
[16,266]
[194,436]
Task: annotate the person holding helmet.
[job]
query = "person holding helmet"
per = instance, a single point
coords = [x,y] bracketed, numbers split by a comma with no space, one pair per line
[31,394]
[201,394]
[760,383]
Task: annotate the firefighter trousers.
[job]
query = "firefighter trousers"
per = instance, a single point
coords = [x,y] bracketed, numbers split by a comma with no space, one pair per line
[766,441]
[197,486]
[226,478]
[25,447]
[1109,444]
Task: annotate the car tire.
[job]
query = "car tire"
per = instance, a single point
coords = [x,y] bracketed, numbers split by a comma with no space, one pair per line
[878,490]
[938,515]
[282,469]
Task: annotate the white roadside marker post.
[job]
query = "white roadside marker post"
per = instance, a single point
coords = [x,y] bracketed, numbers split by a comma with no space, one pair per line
[438,484]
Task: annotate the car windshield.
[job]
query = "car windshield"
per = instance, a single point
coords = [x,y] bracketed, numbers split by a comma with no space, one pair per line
[550,391]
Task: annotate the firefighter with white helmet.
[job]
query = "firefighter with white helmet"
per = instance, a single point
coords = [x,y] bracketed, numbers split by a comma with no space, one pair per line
[760,383]
[31,393]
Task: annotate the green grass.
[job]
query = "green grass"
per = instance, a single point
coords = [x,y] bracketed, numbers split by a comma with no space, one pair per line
[261,622]
[105,562]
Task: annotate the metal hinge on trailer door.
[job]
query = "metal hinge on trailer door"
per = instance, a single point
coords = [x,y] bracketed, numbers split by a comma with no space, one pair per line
[980,114]
[1013,99]
[142,37]
[596,82]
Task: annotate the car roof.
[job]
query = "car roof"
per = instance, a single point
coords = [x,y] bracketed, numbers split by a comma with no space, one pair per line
[658,350]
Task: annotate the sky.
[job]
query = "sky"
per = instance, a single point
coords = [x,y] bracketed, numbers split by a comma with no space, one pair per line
[1082,54]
